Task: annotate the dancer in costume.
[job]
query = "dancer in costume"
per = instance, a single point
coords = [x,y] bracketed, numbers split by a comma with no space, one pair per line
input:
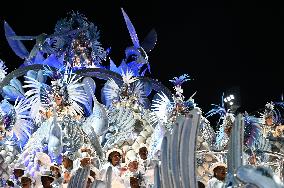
[165,111]
[112,171]
[218,171]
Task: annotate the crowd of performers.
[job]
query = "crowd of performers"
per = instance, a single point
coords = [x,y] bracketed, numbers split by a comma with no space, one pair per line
[68,120]
[263,143]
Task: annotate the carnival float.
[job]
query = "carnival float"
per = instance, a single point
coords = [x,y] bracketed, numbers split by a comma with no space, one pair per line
[72,117]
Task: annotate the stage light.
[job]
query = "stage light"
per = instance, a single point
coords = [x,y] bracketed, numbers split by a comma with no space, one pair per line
[231,103]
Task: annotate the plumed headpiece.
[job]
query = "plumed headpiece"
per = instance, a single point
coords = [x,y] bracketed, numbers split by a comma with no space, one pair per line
[272,111]
[269,110]
[47,173]
[112,150]
[214,165]
[20,166]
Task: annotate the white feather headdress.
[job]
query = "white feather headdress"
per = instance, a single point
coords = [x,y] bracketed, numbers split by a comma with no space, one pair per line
[162,107]
[68,87]
[131,89]
[128,77]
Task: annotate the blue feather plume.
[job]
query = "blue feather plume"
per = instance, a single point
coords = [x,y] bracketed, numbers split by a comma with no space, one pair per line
[16,45]
[177,81]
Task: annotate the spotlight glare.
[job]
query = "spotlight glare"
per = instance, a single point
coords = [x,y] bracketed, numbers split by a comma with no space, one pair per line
[231,103]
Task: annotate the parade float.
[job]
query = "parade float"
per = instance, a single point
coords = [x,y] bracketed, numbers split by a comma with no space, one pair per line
[72,117]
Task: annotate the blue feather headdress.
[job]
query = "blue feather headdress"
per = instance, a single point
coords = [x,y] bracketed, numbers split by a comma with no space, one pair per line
[83,48]
[178,81]
[252,130]
[75,39]
[218,110]
[178,97]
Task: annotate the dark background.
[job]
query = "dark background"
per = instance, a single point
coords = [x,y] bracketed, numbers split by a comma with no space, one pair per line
[221,45]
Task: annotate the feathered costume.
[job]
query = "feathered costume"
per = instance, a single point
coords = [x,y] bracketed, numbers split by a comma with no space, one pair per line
[165,110]
[128,119]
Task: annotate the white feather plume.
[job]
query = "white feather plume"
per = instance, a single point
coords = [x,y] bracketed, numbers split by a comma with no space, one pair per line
[162,107]
[111,90]
[23,123]
[76,94]
[33,95]
[139,92]
[128,77]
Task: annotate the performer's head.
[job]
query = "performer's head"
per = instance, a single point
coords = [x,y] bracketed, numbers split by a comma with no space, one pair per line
[114,158]
[132,166]
[19,170]
[46,179]
[56,170]
[134,182]
[26,182]
[143,152]
[268,120]
[220,172]
[67,162]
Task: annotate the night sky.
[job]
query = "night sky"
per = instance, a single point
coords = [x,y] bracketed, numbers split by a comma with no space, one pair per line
[221,46]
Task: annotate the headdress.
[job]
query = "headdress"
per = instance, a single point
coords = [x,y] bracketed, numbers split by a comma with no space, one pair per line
[273,110]
[20,166]
[214,165]
[178,81]
[220,110]
[220,162]
[47,173]
[112,150]
[67,87]
[130,91]
[84,49]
